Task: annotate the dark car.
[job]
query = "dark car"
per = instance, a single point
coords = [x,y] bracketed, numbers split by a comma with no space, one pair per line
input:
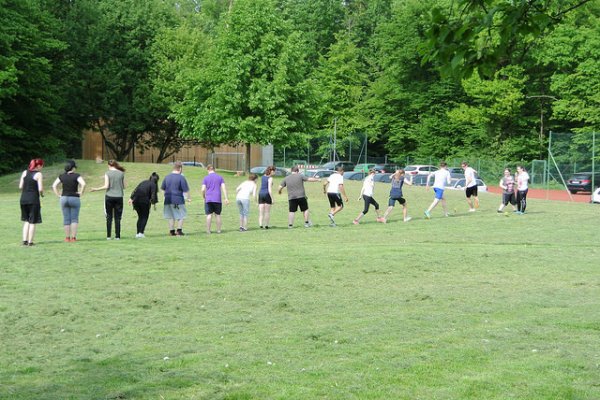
[419,180]
[334,165]
[355,175]
[582,182]
[261,171]
[383,178]
[385,168]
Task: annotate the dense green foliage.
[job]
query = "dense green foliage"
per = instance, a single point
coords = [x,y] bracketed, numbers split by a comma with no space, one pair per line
[400,72]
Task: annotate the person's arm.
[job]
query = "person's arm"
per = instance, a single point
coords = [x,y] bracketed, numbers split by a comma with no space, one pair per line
[82,184]
[55,187]
[343,191]
[448,180]
[203,191]
[104,187]
[237,189]
[427,181]
[224,189]
[311,179]
[325,184]
[40,181]
[21,182]
[408,181]
[501,184]
[254,194]
[270,187]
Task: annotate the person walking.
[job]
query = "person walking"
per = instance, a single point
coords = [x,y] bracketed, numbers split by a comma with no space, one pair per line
[143,196]
[522,189]
[212,186]
[73,187]
[398,181]
[470,186]
[32,188]
[507,183]
[366,194]
[297,195]
[244,191]
[441,179]
[176,192]
[333,187]
[265,198]
[114,184]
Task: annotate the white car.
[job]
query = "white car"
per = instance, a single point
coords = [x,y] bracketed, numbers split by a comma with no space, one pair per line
[596,196]
[459,184]
[420,169]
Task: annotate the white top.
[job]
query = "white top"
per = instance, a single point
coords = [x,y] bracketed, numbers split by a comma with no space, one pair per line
[441,178]
[245,190]
[368,185]
[470,177]
[335,180]
[523,181]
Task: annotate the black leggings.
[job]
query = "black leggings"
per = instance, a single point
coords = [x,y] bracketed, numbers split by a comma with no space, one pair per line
[368,201]
[143,212]
[522,200]
[113,207]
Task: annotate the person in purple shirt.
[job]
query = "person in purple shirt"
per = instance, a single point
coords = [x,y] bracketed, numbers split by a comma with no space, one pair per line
[177,192]
[212,186]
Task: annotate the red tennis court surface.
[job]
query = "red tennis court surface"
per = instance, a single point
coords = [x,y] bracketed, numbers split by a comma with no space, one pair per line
[551,194]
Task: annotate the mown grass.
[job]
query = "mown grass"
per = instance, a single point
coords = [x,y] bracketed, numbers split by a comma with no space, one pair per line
[474,306]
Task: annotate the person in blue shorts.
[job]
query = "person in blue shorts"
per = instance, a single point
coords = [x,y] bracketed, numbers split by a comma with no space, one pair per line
[398,181]
[441,179]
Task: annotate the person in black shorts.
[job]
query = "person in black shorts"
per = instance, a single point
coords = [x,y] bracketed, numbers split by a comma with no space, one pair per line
[297,195]
[31,185]
[265,197]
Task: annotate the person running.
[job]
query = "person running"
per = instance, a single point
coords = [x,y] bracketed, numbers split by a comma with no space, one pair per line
[522,189]
[114,184]
[470,186]
[333,187]
[32,188]
[73,186]
[212,186]
[143,196]
[297,195]
[265,198]
[441,179]
[244,191]
[366,194]
[507,183]
[176,192]
[398,181]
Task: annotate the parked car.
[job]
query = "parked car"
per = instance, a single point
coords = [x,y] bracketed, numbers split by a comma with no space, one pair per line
[596,196]
[191,164]
[582,182]
[458,172]
[355,175]
[261,170]
[418,180]
[363,167]
[420,169]
[384,178]
[383,168]
[459,184]
[334,165]
[318,173]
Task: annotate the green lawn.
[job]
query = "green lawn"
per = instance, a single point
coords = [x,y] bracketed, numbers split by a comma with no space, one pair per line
[474,306]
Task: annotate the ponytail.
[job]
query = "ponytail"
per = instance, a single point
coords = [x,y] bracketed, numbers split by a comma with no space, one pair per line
[116,165]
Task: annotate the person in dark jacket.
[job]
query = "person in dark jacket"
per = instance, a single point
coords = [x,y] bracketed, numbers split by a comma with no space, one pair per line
[142,197]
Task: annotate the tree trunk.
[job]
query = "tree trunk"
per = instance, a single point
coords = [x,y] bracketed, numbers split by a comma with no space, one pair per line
[248,154]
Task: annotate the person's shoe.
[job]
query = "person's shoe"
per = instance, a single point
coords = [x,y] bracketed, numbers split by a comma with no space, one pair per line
[117,238]
[290,226]
[355,222]
[380,219]
[446,215]
[73,239]
[218,231]
[172,233]
[330,215]
[266,227]
[67,239]
[333,225]
[308,224]
[261,227]
[407,219]
[241,229]
[109,238]
[30,244]
[179,233]
[427,214]
[471,210]
[25,242]
[499,211]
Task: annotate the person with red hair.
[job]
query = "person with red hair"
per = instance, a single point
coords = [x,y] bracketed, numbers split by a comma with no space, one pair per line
[32,187]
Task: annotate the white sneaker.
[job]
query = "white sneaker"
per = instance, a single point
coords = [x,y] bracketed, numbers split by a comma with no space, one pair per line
[471,210]
[139,235]
[407,219]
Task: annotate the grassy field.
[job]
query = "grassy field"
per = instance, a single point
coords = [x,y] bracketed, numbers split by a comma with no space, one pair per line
[474,306]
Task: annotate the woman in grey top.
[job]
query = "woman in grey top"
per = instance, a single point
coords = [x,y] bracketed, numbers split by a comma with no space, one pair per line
[114,184]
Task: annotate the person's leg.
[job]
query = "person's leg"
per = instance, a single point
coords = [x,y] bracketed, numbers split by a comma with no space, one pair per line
[266,215]
[476,201]
[470,203]
[75,207]
[66,212]
[31,233]
[306,216]
[25,232]
[405,213]
[524,201]
[138,210]
[444,206]
[519,200]
[433,204]
[118,215]
[261,211]
[208,222]
[218,221]
[108,210]
[143,218]
[291,218]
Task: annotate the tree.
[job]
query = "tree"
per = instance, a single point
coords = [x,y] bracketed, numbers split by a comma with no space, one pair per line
[254,89]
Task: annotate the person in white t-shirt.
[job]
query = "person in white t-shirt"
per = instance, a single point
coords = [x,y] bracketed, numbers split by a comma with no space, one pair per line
[334,188]
[244,191]
[470,186]
[522,189]
[441,179]
[366,194]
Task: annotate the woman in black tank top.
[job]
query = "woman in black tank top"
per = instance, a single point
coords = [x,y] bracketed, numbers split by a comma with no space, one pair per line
[31,185]
[70,203]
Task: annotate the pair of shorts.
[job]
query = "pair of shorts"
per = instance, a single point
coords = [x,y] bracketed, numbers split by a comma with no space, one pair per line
[265,199]
[174,211]
[31,213]
[335,199]
[392,201]
[509,198]
[211,207]
[295,203]
[244,207]
[471,191]
[439,193]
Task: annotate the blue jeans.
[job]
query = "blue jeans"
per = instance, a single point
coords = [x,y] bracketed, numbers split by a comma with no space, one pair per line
[70,206]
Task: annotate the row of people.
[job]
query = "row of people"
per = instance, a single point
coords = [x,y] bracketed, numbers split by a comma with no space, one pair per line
[177,194]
